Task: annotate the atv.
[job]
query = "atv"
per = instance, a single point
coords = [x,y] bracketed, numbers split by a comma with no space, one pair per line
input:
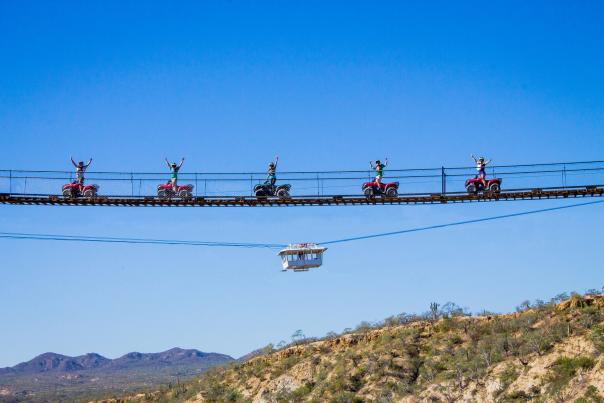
[75,190]
[266,190]
[166,191]
[371,189]
[476,184]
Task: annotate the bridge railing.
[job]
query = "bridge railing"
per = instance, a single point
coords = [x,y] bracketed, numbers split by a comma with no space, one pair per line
[309,183]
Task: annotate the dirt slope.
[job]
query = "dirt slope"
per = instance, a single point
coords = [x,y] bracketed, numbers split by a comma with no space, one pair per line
[545,353]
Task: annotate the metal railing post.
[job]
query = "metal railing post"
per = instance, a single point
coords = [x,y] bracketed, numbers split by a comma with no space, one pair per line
[564,176]
[443,180]
[10,181]
[195,184]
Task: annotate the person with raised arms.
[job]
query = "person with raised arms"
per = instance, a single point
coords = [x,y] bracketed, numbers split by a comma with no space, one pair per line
[174,168]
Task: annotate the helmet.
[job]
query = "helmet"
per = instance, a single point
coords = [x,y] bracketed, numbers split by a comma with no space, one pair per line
[377,162]
[272,164]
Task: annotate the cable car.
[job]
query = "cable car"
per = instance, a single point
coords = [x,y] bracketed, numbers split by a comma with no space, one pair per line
[301,256]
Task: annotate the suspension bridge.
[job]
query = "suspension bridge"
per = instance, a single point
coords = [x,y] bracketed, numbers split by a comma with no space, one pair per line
[583,179]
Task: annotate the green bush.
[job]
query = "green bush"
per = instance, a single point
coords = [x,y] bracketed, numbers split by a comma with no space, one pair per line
[597,336]
[508,376]
[568,366]
[517,395]
[565,368]
[302,392]
[592,395]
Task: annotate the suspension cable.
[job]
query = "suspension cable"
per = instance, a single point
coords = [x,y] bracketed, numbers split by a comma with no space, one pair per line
[453,224]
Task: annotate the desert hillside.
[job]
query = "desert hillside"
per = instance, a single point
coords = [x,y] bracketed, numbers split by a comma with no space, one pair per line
[544,352]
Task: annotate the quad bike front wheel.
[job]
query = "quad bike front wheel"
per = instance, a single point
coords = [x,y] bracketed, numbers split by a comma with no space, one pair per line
[368,191]
[163,194]
[471,189]
[283,194]
[89,193]
[68,194]
[184,194]
[392,192]
[495,188]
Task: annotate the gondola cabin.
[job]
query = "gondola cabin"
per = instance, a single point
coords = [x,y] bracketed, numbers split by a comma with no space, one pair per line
[302,256]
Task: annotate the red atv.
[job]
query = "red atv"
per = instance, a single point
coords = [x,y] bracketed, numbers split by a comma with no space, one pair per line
[166,191]
[74,190]
[476,185]
[371,189]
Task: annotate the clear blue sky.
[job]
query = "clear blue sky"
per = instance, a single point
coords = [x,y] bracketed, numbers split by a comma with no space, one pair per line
[325,86]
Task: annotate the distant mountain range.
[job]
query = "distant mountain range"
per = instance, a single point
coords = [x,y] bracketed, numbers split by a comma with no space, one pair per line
[51,375]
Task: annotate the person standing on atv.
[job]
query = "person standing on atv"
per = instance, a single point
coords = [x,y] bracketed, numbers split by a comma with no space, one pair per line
[271,174]
[80,169]
[481,164]
[174,173]
[379,171]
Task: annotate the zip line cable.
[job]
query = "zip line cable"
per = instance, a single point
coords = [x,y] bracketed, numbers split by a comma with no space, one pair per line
[453,224]
[83,238]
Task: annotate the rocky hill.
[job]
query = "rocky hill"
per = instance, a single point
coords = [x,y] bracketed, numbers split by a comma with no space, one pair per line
[53,376]
[545,352]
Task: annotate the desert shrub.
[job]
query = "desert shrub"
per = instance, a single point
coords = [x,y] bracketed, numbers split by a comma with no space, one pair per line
[392,321]
[363,327]
[385,339]
[590,316]
[568,366]
[451,309]
[454,340]
[432,368]
[565,368]
[357,379]
[215,391]
[508,376]
[492,349]
[445,325]
[517,395]
[591,395]
[285,365]
[338,379]
[534,341]
[597,337]
[256,368]
[302,392]
[345,397]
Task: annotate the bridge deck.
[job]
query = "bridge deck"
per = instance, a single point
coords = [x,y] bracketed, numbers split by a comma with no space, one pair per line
[331,200]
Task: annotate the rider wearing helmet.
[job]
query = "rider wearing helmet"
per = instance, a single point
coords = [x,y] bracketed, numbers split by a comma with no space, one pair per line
[481,164]
[80,169]
[174,175]
[271,174]
[379,170]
